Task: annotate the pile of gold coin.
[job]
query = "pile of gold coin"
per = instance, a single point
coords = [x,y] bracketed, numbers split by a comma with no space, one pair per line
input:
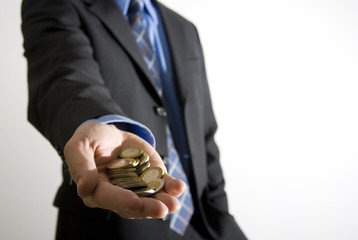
[132,171]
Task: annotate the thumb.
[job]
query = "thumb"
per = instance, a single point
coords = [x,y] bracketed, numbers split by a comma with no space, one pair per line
[80,161]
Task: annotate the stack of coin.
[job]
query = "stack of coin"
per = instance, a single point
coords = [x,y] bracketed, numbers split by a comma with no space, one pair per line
[132,171]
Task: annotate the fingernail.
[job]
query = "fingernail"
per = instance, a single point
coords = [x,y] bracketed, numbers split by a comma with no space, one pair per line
[166,217]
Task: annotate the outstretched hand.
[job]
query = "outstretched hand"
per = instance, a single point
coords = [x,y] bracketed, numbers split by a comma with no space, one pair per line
[87,152]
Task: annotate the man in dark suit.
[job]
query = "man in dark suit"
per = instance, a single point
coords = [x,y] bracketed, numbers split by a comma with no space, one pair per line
[91,93]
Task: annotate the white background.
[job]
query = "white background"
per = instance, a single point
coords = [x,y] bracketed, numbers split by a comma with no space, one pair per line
[283,76]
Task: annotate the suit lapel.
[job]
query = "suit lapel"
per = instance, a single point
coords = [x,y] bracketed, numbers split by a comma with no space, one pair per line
[181,57]
[111,16]
[177,49]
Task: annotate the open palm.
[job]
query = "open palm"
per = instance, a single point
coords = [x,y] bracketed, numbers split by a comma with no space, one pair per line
[87,152]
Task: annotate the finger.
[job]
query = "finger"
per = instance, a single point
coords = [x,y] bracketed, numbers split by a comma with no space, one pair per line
[174,187]
[81,164]
[152,208]
[111,197]
[171,202]
[125,202]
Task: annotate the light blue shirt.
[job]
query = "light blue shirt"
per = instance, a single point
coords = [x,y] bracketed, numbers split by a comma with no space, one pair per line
[127,124]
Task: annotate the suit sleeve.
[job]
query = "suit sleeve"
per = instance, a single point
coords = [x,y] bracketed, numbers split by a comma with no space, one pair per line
[221,223]
[64,81]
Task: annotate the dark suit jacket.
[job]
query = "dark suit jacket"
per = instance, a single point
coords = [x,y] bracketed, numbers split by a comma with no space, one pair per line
[83,63]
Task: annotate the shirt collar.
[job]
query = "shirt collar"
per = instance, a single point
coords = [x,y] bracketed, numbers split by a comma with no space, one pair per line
[148,8]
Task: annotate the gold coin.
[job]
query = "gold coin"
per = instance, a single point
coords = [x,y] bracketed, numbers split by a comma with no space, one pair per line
[131,184]
[125,172]
[130,152]
[122,163]
[128,179]
[145,191]
[142,168]
[152,173]
[143,159]
[123,175]
[157,184]
[121,170]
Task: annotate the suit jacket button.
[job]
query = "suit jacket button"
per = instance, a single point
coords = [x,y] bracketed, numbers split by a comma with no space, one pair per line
[161,111]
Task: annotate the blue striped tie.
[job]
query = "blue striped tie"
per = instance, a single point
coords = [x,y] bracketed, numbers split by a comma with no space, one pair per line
[180,219]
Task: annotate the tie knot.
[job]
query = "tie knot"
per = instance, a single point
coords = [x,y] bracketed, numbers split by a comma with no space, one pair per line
[136,8]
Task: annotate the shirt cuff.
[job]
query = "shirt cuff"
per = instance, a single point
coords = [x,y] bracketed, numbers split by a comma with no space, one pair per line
[127,124]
